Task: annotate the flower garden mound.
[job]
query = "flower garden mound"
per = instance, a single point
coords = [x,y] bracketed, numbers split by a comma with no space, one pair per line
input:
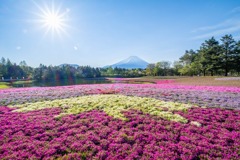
[113,105]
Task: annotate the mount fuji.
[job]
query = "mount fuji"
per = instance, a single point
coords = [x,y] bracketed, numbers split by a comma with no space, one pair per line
[130,63]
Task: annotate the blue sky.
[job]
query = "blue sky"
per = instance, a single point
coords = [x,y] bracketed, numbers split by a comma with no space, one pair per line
[102,32]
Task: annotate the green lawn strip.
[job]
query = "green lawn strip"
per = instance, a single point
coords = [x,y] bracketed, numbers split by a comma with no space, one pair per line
[4,85]
[23,82]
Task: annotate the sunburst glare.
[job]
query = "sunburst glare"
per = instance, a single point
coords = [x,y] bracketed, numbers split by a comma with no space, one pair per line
[53,19]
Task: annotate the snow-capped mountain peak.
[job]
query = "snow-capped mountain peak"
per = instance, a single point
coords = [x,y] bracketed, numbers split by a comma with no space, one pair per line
[130,63]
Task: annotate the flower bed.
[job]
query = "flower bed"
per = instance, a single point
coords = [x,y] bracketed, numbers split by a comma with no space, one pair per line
[95,135]
[203,98]
[121,121]
[225,97]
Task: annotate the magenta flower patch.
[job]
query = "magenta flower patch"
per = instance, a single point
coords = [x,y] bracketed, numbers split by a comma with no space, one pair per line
[212,129]
[95,135]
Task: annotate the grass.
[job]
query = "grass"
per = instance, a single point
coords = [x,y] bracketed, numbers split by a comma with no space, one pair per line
[206,81]
[184,80]
[4,85]
[23,82]
[143,80]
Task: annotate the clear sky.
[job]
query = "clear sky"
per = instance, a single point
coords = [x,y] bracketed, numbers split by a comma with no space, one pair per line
[102,32]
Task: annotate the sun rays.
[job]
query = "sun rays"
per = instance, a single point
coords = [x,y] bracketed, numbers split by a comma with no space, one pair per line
[53,19]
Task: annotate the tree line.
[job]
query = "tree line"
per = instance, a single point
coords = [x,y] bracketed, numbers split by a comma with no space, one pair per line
[12,71]
[212,58]
[9,70]
[122,72]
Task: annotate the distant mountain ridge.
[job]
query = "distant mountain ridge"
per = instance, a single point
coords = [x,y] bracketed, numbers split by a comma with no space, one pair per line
[72,65]
[130,63]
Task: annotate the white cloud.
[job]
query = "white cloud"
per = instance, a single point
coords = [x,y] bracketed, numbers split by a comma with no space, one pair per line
[219,32]
[75,48]
[227,27]
[217,26]
[18,48]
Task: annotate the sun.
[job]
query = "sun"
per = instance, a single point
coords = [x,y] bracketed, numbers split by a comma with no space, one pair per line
[52,19]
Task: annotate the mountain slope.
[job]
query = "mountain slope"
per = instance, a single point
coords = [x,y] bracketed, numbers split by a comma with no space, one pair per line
[130,63]
[72,65]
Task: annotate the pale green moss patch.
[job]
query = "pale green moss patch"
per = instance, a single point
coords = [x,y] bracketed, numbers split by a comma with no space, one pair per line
[113,105]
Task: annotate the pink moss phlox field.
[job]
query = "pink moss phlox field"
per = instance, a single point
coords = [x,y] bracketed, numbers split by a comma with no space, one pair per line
[208,88]
[204,98]
[95,135]
[209,96]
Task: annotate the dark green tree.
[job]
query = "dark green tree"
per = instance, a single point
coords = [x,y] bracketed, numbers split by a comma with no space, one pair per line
[209,56]
[237,58]
[227,53]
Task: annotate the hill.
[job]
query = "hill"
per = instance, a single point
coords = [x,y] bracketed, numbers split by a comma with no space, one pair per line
[72,65]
